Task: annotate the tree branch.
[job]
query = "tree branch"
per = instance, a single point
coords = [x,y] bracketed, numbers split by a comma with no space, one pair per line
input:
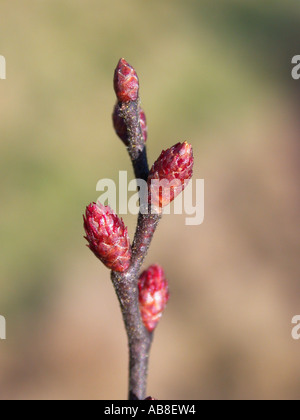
[126,284]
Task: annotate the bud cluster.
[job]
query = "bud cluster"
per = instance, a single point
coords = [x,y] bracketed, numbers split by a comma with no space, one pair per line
[108,237]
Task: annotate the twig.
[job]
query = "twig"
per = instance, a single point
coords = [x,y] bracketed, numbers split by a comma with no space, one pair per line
[126,284]
[142,297]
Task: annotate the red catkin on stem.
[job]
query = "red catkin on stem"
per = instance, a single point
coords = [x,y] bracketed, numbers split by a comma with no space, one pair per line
[170,174]
[153,295]
[126,82]
[107,237]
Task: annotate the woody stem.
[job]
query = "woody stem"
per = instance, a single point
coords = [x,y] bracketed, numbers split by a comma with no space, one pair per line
[126,284]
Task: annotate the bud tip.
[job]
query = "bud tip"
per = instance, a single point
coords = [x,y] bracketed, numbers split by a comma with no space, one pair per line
[126,82]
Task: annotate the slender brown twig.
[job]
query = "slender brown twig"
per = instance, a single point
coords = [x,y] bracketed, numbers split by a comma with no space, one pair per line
[142,297]
[126,284]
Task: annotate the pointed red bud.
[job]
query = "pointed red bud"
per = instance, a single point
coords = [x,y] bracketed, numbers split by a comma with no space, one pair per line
[172,171]
[126,82]
[107,237]
[153,295]
[120,126]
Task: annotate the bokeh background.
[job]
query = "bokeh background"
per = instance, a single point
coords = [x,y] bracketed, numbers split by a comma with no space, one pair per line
[217,74]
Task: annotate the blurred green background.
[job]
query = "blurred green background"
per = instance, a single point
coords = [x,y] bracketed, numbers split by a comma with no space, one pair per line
[217,74]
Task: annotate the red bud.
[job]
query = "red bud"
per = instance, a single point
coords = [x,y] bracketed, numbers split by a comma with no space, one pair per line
[126,82]
[107,237]
[175,167]
[153,295]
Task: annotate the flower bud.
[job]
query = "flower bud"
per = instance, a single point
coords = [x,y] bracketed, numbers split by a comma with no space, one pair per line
[153,295]
[170,174]
[120,126]
[107,237]
[126,82]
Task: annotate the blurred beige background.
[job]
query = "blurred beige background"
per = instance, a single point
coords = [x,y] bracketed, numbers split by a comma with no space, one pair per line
[217,74]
